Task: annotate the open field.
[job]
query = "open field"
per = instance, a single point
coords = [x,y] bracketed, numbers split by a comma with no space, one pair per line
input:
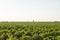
[29,30]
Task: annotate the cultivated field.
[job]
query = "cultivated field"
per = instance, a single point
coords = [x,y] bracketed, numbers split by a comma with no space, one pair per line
[29,30]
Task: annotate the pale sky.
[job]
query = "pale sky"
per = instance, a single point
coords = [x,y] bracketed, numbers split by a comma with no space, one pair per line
[28,10]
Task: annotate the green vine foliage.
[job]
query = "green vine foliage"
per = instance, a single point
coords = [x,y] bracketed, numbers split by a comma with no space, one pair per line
[29,30]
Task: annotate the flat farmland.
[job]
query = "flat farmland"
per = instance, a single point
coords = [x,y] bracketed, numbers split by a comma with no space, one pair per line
[29,30]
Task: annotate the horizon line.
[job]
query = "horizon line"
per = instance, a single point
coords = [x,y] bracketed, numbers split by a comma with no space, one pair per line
[30,21]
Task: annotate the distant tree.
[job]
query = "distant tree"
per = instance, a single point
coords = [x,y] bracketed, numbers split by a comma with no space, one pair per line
[33,20]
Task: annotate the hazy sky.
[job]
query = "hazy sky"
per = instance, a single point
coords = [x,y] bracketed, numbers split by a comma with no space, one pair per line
[28,10]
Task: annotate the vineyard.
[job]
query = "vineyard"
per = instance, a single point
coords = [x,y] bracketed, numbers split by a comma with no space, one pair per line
[29,30]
